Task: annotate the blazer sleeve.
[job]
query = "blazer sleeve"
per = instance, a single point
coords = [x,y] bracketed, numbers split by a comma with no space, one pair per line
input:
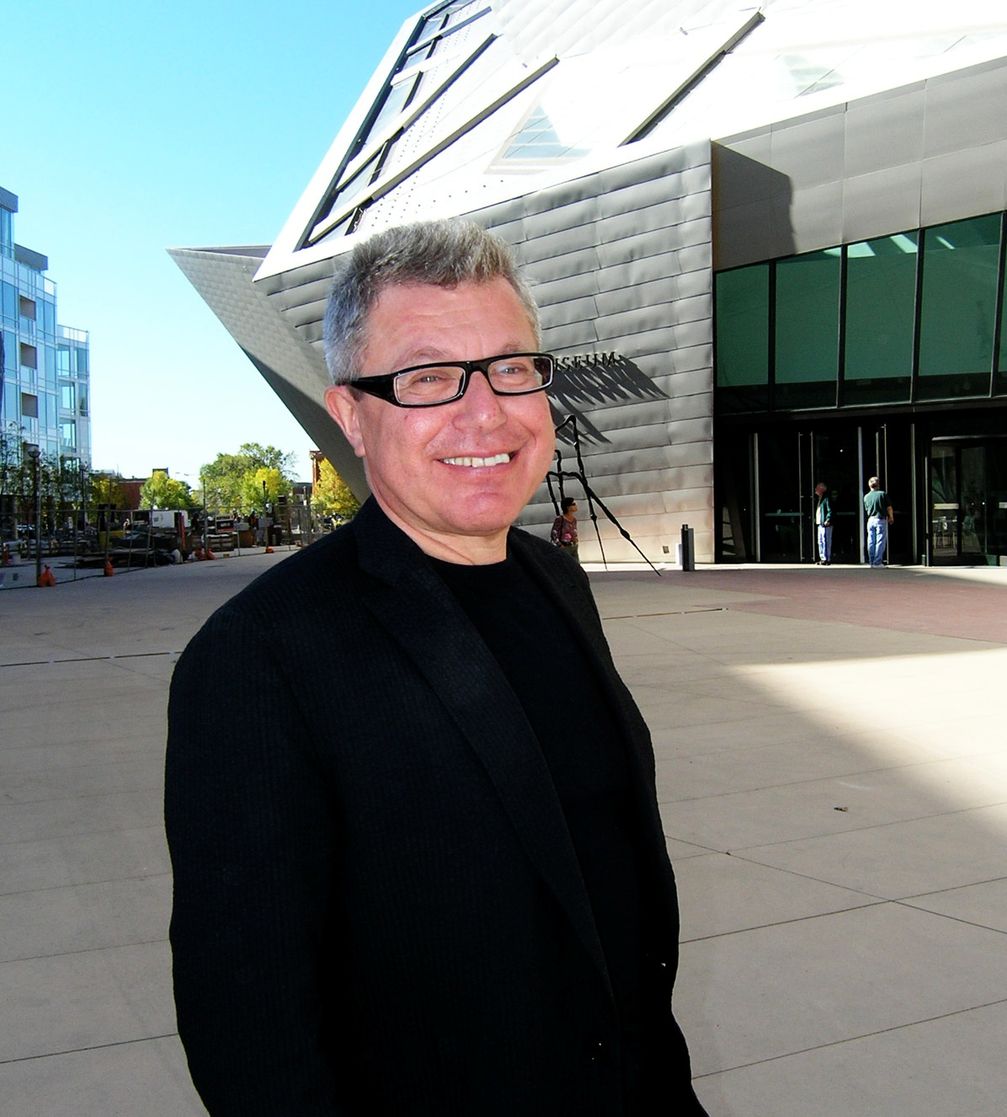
[252,850]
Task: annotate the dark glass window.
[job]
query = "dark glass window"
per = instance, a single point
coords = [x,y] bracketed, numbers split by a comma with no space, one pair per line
[1000,383]
[880,318]
[807,329]
[960,271]
[742,309]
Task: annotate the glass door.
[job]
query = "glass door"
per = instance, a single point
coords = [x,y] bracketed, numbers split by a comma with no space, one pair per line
[835,464]
[944,503]
[784,535]
[887,450]
[790,464]
[968,501]
[974,543]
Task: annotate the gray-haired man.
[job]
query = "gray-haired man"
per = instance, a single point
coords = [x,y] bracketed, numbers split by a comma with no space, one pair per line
[421,886]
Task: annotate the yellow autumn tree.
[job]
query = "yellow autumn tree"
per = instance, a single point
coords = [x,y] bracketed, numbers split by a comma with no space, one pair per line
[330,495]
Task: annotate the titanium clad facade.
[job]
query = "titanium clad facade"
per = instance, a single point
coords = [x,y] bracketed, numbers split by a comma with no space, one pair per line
[620,262]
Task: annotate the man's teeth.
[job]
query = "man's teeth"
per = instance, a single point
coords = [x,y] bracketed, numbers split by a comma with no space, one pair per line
[478,463]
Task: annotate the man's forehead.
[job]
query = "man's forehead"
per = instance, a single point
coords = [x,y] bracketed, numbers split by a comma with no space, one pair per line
[424,322]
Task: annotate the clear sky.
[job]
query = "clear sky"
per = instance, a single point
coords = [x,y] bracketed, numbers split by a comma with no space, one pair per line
[133,127]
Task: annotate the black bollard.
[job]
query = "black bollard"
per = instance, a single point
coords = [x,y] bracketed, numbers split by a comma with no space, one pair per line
[688,548]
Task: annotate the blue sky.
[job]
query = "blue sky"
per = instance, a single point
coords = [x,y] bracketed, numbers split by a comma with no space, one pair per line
[133,127]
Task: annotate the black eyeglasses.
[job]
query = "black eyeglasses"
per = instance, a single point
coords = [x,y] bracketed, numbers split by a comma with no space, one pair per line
[513,374]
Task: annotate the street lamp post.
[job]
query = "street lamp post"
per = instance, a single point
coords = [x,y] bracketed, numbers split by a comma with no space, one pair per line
[35,453]
[206,532]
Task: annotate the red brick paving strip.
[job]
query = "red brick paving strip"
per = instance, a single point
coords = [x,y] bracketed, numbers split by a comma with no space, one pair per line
[903,599]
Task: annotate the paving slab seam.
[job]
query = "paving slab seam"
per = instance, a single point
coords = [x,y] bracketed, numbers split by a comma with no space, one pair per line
[816,880]
[953,918]
[76,834]
[794,920]
[952,888]
[853,1039]
[86,884]
[83,951]
[51,661]
[839,775]
[668,613]
[838,808]
[739,851]
[84,1050]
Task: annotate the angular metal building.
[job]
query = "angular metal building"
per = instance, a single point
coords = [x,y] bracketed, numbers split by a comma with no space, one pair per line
[768,242]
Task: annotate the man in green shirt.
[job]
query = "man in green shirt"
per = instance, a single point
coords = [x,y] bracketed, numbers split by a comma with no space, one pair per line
[879,515]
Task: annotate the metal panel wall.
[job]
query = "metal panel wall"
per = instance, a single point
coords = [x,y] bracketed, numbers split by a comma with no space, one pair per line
[292,368]
[621,262]
[924,154]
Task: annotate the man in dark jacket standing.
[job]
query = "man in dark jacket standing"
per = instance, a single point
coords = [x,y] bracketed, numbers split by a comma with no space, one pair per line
[415,884]
[823,523]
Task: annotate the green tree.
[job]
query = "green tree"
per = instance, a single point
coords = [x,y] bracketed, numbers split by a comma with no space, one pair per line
[264,483]
[11,440]
[330,495]
[105,489]
[222,480]
[268,457]
[162,491]
[229,480]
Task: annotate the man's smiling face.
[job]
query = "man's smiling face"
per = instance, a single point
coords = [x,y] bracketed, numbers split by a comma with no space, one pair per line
[453,477]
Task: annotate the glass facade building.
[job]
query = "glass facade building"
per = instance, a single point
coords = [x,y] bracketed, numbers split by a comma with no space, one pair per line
[45,368]
[881,357]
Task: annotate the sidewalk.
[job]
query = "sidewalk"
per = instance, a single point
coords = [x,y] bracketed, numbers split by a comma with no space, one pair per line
[831,768]
[20,573]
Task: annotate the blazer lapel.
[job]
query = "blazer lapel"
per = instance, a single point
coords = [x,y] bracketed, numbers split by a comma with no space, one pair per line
[567,586]
[418,611]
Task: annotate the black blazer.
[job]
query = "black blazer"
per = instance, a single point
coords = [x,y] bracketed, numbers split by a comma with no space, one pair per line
[378,908]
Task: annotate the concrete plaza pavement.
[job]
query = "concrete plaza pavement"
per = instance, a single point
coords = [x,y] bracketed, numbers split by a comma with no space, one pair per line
[832,770]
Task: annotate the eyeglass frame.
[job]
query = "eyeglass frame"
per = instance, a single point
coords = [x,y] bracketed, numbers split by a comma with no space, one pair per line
[383,386]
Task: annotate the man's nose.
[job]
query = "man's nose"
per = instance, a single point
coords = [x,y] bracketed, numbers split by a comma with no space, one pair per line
[480,402]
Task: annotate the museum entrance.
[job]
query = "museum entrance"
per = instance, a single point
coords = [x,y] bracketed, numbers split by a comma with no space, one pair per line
[766,482]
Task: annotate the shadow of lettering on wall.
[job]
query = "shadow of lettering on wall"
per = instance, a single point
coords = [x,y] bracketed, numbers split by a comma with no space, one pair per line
[585,382]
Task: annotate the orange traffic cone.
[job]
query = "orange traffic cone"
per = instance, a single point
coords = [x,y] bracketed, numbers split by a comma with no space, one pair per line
[109,570]
[46,578]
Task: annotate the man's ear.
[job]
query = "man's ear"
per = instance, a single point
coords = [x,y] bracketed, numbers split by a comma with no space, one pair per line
[341,404]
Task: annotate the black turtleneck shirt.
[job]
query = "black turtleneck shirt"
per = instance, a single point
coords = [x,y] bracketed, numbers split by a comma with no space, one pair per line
[563,699]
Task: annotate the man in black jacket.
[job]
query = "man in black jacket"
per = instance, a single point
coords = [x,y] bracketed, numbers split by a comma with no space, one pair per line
[415,883]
